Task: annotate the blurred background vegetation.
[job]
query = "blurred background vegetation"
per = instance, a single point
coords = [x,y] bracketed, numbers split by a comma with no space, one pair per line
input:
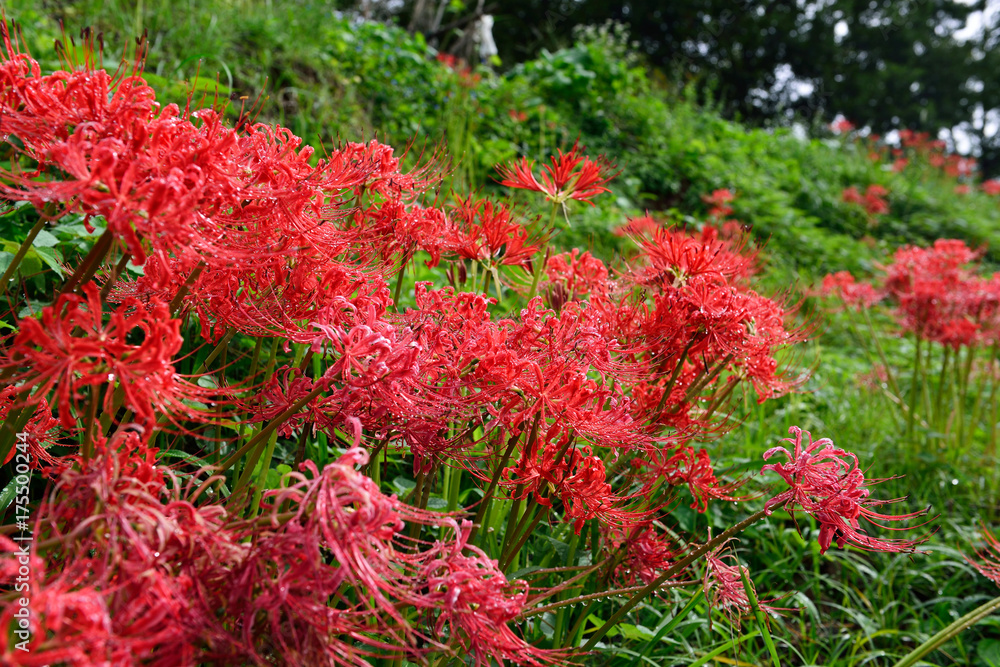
[687,97]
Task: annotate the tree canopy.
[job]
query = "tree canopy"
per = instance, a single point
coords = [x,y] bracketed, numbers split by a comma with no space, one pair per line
[884,64]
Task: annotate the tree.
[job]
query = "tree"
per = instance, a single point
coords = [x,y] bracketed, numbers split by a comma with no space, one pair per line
[885,64]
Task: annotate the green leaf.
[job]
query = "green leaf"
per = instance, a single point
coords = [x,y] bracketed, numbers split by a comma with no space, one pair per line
[759,616]
[988,650]
[184,456]
[7,495]
[403,485]
[669,626]
[52,257]
[45,239]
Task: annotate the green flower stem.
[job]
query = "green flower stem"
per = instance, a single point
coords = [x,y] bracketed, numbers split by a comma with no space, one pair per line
[669,387]
[759,616]
[890,378]
[672,571]
[708,378]
[262,478]
[115,273]
[935,642]
[561,614]
[399,287]
[914,392]
[254,361]
[268,429]
[488,496]
[938,415]
[178,300]
[984,378]
[88,267]
[455,486]
[562,604]
[21,252]
[523,532]
[17,419]
[963,393]
[487,275]
[537,274]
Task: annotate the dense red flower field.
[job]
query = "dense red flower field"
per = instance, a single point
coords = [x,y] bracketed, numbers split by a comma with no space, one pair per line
[247,301]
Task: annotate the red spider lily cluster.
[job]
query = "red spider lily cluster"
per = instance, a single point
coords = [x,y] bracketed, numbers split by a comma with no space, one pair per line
[517,116]
[826,483]
[937,294]
[467,78]
[718,203]
[579,409]
[571,175]
[718,212]
[873,201]
[150,573]
[842,126]
[918,149]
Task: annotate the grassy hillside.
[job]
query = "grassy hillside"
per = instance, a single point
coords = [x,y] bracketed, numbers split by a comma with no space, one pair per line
[330,77]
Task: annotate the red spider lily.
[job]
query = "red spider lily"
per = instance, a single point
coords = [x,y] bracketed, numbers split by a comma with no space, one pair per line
[684,465]
[644,553]
[719,202]
[201,192]
[37,433]
[283,589]
[282,296]
[827,484]
[992,187]
[485,232]
[571,176]
[398,230]
[553,468]
[641,226]
[471,603]
[766,333]
[382,169]
[460,67]
[935,289]
[873,200]
[853,294]
[852,196]
[578,273]
[70,348]
[673,258]
[962,189]
[842,126]
[704,328]
[571,276]
[264,243]
[723,585]
[125,578]
[937,294]
[987,559]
